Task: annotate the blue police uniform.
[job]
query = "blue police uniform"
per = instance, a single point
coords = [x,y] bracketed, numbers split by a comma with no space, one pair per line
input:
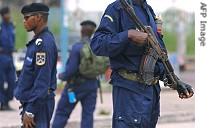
[37,81]
[7,69]
[135,104]
[86,93]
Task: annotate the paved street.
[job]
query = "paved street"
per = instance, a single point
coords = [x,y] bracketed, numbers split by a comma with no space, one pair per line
[177,125]
[175,113]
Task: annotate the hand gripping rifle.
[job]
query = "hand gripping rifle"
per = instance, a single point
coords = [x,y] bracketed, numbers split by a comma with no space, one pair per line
[171,80]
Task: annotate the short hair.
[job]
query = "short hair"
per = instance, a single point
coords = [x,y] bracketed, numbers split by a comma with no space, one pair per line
[44,16]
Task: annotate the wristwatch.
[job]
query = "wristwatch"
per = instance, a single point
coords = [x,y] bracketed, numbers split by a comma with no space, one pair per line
[29,114]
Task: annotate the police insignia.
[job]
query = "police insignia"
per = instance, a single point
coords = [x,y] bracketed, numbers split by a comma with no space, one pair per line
[40,58]
[38,42]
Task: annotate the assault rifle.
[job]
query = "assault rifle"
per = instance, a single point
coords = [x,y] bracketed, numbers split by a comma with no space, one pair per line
[184,90]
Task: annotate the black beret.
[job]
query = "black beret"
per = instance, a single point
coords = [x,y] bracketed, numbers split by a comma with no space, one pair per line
[88,22]
[35,7]
[4,10]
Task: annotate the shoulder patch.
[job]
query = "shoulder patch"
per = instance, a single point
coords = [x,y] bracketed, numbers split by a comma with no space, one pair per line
[38,42]
[40,58]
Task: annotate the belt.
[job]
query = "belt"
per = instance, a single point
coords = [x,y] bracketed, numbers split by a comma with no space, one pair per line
[129,75]
[79,80]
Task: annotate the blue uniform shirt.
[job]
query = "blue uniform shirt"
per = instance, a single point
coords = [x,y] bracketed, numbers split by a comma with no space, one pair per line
[38,75]
[111,39]
[7,37]
[72,70]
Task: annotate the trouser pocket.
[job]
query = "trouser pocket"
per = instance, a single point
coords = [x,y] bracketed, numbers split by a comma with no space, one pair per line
[133,120]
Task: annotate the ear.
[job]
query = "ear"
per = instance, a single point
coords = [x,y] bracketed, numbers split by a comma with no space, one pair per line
[37,18]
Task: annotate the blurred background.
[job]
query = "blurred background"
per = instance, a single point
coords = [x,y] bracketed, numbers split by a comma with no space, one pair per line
[64,21]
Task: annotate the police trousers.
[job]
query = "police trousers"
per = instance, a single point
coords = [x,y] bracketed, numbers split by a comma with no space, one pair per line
[134,110]
[44,112]
[7,75]
[65,108]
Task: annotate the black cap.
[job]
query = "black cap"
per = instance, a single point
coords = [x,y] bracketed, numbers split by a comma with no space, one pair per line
[4,10]
[88,22]
[35,7]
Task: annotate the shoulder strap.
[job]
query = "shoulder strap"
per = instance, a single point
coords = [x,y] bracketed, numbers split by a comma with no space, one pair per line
[88,44]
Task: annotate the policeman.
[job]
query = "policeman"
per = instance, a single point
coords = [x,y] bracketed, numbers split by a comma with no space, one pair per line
[85,89]
[37,81]
[7,69]
[135,104]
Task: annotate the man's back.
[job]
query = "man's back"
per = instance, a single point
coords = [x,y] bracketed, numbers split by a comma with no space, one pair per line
[72,70]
